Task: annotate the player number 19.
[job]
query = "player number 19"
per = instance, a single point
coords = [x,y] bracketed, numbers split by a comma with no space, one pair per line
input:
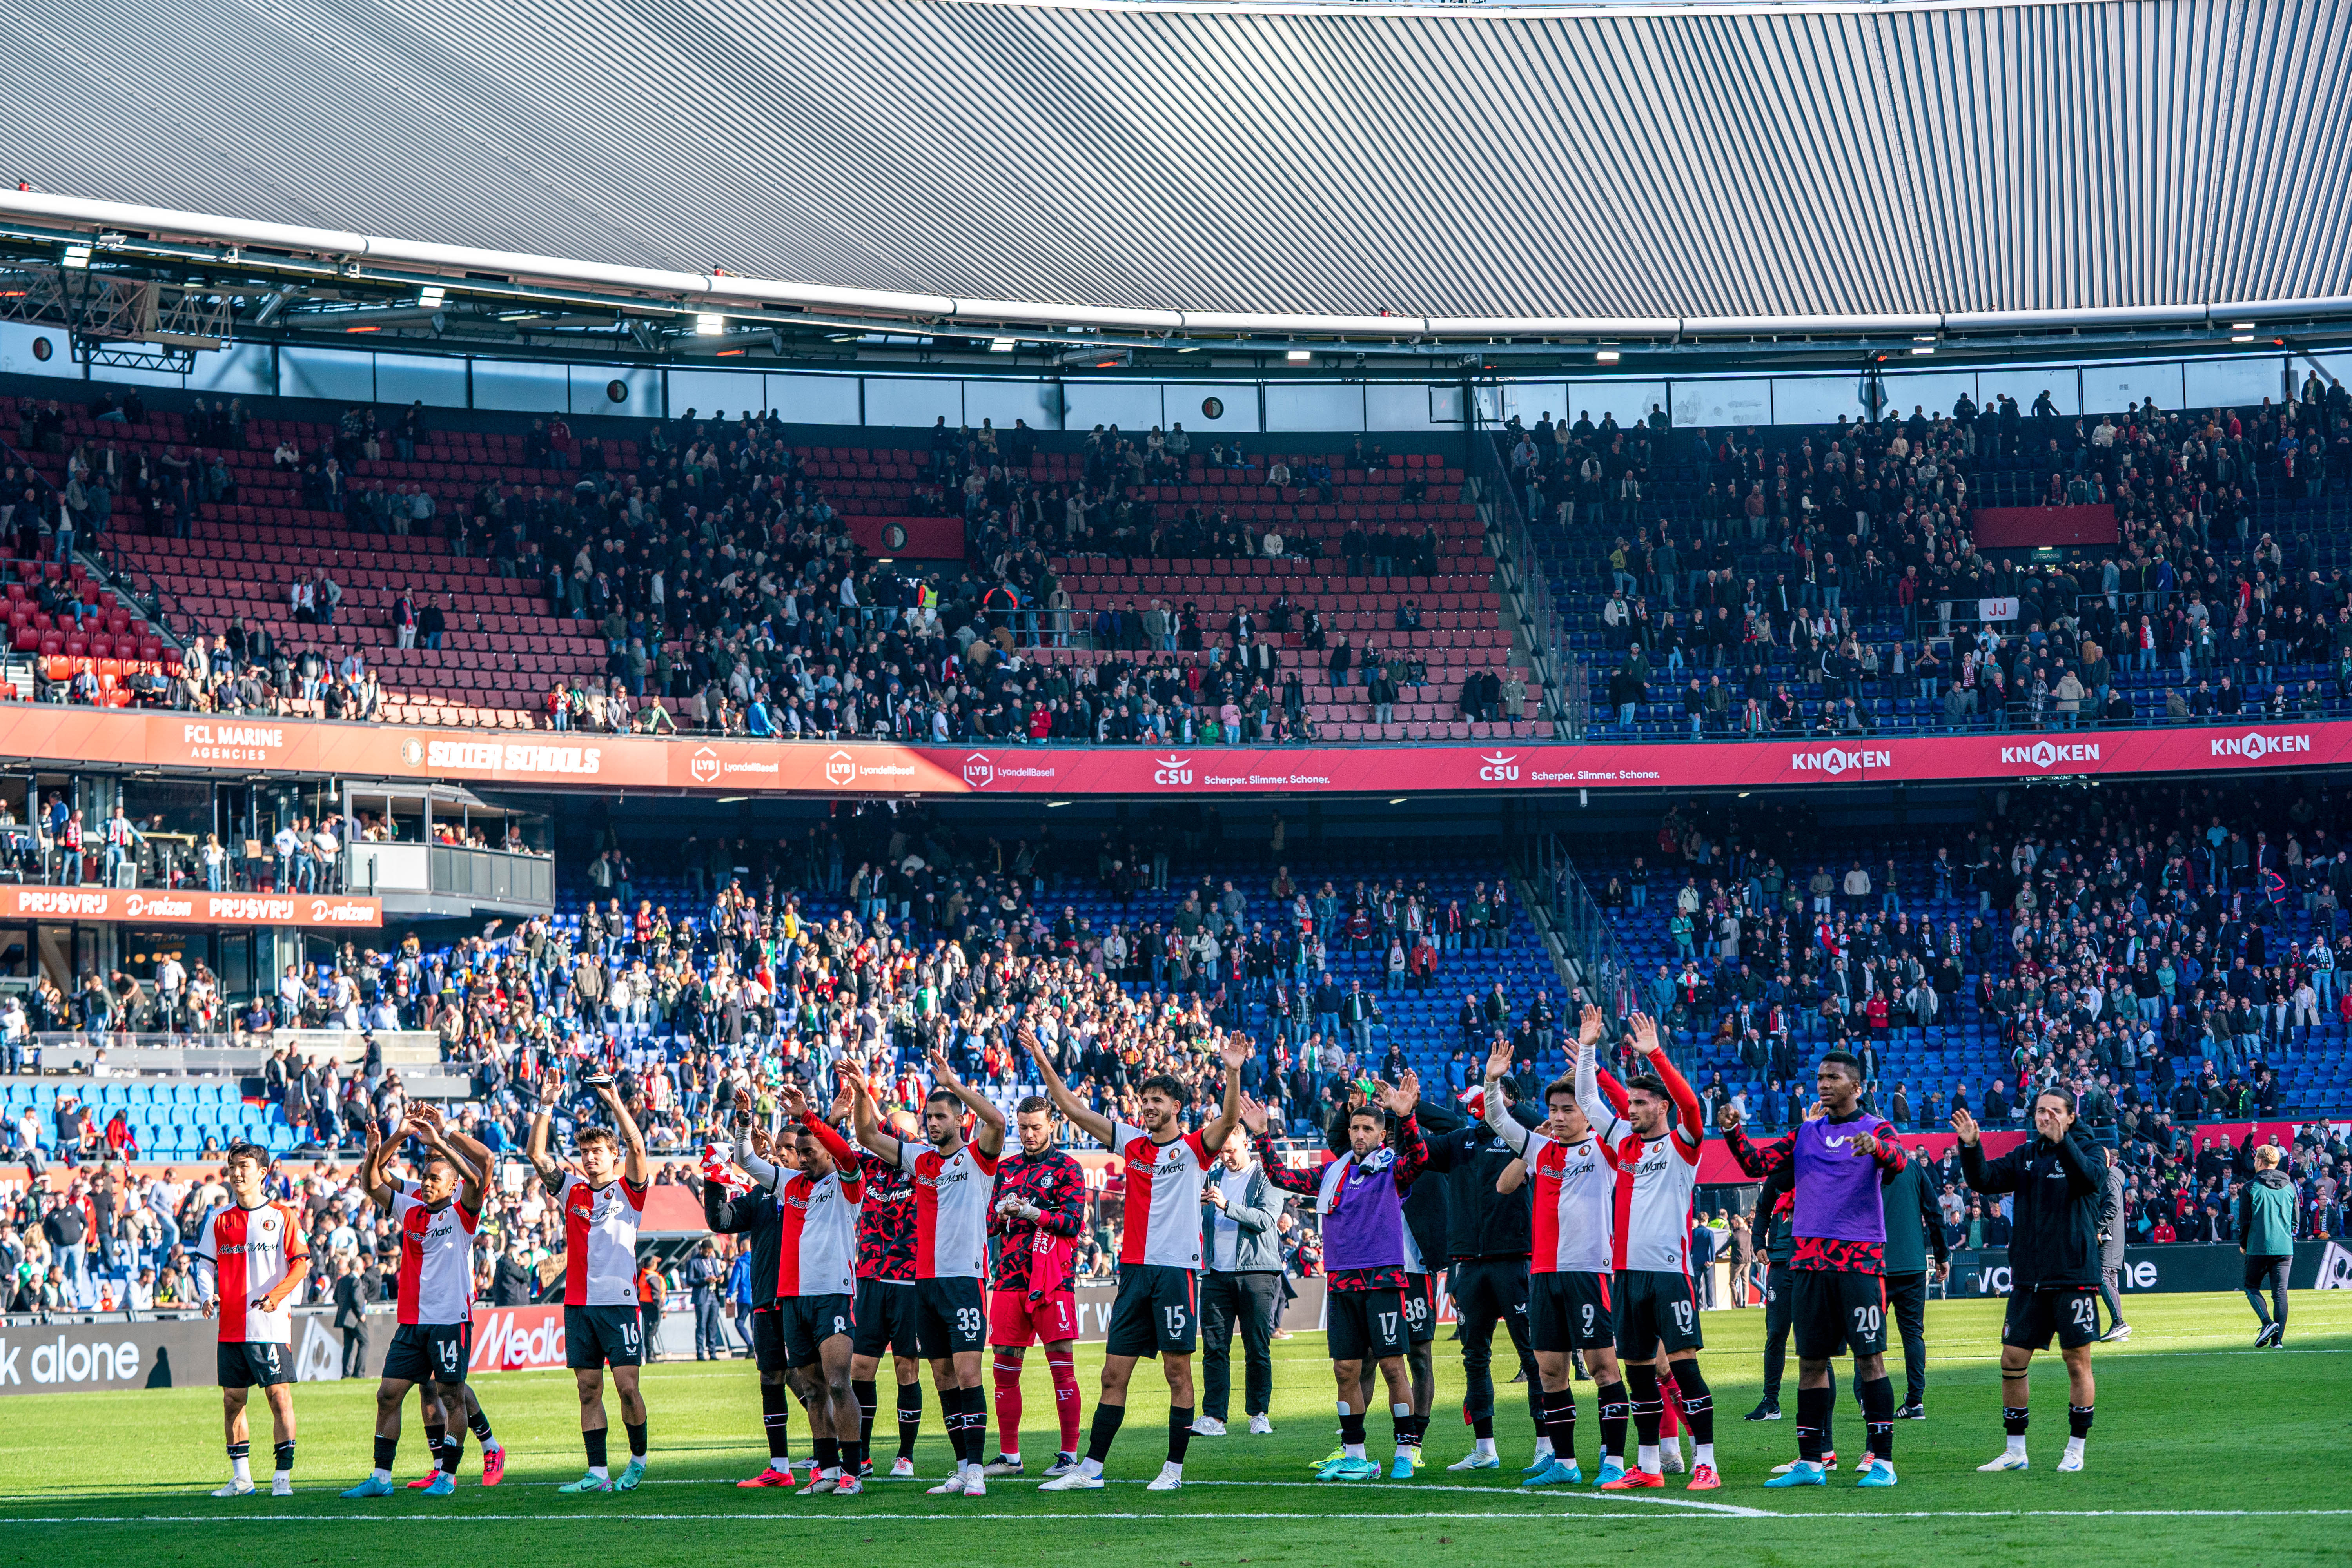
[1683,1310]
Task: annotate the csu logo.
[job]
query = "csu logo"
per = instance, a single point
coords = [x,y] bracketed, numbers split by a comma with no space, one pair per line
[1503,767]
[705,766]
[977,771]
[840,769]
[1171,770]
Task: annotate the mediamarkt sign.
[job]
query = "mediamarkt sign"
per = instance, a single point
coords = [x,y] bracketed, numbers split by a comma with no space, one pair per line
[43,734]
[158,906]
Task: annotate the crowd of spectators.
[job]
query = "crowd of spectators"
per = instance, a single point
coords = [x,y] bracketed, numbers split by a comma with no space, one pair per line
[1770,608]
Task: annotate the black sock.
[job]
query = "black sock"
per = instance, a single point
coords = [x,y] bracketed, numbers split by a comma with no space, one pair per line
[1559,1422]
[1878,1417]
[828,1453]
[637,1439]
[238,1450]
[1813,1422]
[434,1432]
[1829,1415]
[1352,1427]
[1483,1428]
[1698,1401]
[2012,1420]
[1614,1409]
[594,1443]
[386,1447]
[868,1400]
[1179,1432]
[284,1453]
[911,1417]
[1649,1410]
[453,1448]
[1103,1430]
[853,1456]
[480,1424]
[2078,1420]
[776,1416]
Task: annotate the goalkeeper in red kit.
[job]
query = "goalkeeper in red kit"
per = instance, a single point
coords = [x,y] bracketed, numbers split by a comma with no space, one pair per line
[1033,1227]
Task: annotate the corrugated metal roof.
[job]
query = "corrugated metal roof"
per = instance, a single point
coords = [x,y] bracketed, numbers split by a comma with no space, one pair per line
[1747,162]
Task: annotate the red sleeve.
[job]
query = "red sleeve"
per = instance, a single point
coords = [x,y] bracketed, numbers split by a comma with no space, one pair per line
[1689,1117]
[1307,1182]
[1889,1153]
[835,1145]
[1066,1216]
[1610,1089]
[1412,1153]
[1755,1159]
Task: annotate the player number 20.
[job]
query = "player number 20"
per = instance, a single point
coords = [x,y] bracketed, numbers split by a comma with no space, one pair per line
[1683,1310]
[968,1322]
[1867,1320]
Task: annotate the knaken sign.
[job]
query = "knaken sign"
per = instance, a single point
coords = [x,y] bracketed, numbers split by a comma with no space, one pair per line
[163,906]
[98,739]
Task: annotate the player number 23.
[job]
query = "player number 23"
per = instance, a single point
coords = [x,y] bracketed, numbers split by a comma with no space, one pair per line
[2086,1314]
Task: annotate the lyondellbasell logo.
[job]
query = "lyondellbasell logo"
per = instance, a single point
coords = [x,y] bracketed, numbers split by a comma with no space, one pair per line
[1171,770]
[2253,745]
[411,752]
[2049,753]
[977,771]
[1836,760]
[1503,767]
[705,765]
[841,769]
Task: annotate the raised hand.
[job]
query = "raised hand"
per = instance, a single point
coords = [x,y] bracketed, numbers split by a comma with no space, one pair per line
[1589,1025]
[942,1073]
[1254,1116]
[1238,1050]
[551,1088]
[1645,1030]
[1726,1116]
[795,1103]
[1498,1058]
[760,1144]
[1400,1101]
[1964,1125]
[844,1095]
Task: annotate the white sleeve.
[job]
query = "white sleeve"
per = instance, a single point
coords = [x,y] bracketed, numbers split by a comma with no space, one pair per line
[1121,1135]
[1587,1094]
[1506,1126]
[759,1171]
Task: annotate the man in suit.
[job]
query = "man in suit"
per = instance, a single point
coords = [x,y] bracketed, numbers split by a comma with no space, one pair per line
[354,1288]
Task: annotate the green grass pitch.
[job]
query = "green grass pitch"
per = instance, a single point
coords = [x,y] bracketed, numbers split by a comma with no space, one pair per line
[2205,1451]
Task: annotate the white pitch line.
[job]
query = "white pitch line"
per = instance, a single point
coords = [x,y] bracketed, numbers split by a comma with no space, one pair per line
[830,1516]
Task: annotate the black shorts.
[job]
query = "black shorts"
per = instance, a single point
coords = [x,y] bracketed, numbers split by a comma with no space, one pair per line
[1489,1290]
[1570,1310]
[430,1352]
[1837,1309]
[809,1321]
[254,1364]
[884,1321]
[2260,1269]
[1419,1300]
[1654,1309]
[1157,1310]
[768,1339]
[603,1336]
[949,1317]
[1365,1325]
[2069,1311]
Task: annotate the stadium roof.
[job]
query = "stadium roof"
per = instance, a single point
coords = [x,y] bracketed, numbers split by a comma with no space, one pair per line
[1652,171]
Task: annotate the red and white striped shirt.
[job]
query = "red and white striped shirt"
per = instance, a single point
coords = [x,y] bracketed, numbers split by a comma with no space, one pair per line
[436,1260]
[1575,1193]
[599,1242]
[1164,1196]
[951,1198]
[1655,1178]
[251,1251]
[817,1224]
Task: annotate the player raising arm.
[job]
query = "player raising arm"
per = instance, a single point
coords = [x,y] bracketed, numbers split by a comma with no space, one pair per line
[953,1181]
[1572,1257]
[2056,1180]
[250,1259]
[816,1262]
[1164,1168]
[601,1203]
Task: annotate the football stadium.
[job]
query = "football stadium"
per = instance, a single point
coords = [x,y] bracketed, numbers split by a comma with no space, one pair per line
[1287,784]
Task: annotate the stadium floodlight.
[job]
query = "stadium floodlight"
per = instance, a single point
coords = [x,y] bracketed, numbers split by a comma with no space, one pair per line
[432,296]
[1608,356]
[77,257]
[710,324]
[2242,331]
[1301,356]
[1001,345]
